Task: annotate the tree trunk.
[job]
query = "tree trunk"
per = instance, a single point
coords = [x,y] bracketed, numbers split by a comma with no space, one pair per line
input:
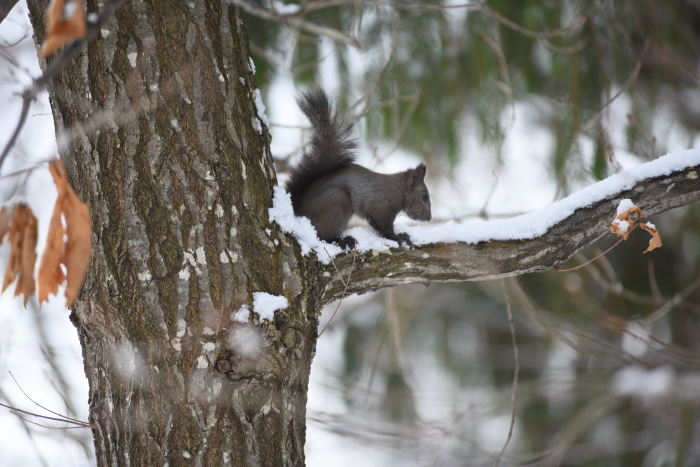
[160,135]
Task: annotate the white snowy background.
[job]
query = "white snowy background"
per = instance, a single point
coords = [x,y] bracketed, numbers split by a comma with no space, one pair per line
[522,184]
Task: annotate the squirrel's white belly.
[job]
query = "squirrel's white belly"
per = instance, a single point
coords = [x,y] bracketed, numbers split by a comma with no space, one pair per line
[357,221]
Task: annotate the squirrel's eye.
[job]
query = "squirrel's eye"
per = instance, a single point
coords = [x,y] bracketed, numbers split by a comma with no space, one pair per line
[424,198]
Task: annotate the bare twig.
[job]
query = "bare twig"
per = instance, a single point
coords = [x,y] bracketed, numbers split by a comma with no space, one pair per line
[616,287]
[49,427]
[45,417]
[510,24]
[27,99]
[29,95]
[375,80]
[5,8]
[652,281]
[515,375]
[347,283]
[592,259]
[413,100]
[676,300]
[631,80]
[63,418]
[298,23]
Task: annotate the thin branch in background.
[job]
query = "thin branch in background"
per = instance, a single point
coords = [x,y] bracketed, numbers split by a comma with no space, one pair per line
[616,288]
[392,315]
[61,418]
[676,300]
[429,6]
[627,84]
[505,84]
[571,49]
[544,324]
[30,433]
[313,63]
[516,356]
[298,23]
[5,7]
[651,268]
[496,178]
[27,100]
[414,100]
[649,153]
[41,406]
[592,259]
[49,427]
[579,21]
[607,267]
[577,425]
[15,43]
[94,24]
[345,283]
[264,54]
[357,16]
[369,89]
[45,417]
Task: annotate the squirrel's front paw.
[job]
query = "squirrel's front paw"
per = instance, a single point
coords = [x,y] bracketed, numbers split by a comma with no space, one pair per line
[404,238]
[347,242]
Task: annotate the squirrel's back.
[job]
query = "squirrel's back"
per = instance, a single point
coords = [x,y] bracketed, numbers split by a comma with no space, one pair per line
[332,145]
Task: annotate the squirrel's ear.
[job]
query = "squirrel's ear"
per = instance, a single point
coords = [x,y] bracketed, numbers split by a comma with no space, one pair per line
[419,173]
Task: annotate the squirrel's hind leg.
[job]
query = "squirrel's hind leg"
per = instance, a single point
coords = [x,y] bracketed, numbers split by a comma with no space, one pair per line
[329,211]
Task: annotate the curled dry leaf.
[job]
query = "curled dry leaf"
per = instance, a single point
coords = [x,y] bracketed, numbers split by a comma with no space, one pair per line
[628,220]
[66,21]
[58,172]
[74,252]
[625,222]
[22,236]
[17,225]
[25,281]
[655,241]
[50,272]
[78,245]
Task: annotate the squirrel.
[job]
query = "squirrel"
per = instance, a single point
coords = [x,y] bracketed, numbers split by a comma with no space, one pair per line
[328,187]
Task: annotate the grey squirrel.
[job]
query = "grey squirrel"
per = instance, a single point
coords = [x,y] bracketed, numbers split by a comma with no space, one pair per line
[328,187]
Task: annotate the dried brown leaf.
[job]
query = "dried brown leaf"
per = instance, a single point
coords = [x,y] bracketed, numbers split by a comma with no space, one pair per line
[60,30]
[25,281]
[58,172]
[4,222]
[628,220]
[625,222]
[655,241]
[17,228]
[78,244]
[50,273]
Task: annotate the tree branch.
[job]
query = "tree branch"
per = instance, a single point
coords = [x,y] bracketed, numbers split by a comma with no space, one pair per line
[299,23]
[5,7]
[94,24]
[489,260]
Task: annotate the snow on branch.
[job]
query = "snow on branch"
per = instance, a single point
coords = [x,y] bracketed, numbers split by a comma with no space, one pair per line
[533,242]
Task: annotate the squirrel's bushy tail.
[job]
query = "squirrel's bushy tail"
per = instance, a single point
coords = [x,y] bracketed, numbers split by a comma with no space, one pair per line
[332,145]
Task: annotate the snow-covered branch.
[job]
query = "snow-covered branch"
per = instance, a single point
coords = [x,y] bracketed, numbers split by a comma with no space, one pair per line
[533,242]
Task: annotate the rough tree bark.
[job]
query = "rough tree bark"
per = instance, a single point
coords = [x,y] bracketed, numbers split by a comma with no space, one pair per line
[164,146]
